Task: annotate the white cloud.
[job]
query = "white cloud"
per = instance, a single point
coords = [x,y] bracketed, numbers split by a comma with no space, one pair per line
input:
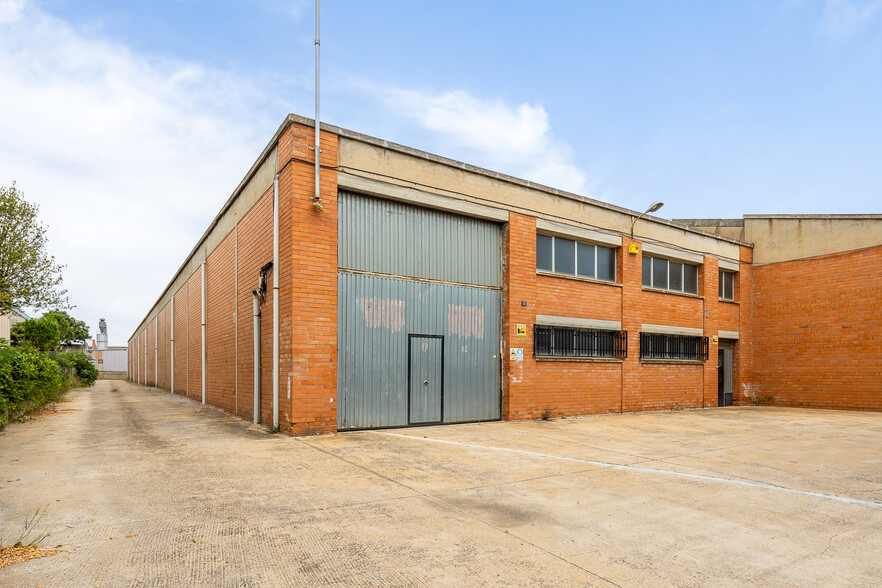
[10,10]
[845,18]
[129,156]
[507,138]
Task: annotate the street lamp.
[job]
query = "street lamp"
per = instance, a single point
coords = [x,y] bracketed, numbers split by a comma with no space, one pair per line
[652,208]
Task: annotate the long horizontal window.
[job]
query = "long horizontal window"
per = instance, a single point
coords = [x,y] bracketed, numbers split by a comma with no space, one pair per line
[575,258]
[661,346]
[670,275]
[576,342]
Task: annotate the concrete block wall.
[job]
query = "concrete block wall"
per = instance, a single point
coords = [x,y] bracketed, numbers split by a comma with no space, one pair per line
[817,333]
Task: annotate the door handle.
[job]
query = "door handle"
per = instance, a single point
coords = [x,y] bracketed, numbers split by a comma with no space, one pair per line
[425,382]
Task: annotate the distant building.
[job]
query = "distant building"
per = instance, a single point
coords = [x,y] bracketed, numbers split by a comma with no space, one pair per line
[7,320]
[109,360]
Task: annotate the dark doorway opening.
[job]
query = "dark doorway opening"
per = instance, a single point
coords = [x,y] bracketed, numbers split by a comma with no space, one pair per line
[725,373]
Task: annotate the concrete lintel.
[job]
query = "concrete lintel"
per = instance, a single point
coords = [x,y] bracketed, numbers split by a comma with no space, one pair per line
[727,334]
[671,330]
[371,187]
[732,266]
[555,228]
[674,254]
[566,321]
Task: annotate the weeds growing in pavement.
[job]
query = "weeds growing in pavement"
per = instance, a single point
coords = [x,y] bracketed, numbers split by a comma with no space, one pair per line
[29,536]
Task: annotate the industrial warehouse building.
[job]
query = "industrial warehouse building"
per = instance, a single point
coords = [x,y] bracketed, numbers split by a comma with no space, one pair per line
[421,290]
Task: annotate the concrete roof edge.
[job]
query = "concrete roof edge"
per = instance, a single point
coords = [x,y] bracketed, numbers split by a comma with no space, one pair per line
[711,222]
[499,176]
[251,171]
[816,216]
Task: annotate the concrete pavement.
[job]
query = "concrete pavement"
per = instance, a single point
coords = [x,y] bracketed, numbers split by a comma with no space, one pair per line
[149,489]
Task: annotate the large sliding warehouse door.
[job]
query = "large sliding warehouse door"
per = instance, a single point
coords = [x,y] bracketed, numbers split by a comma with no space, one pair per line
[418,317]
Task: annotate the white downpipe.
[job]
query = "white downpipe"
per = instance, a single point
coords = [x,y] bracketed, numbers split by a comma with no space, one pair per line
[255,306]
[172,346]
[276,274]
[318,124]
[156,352]
[203,332]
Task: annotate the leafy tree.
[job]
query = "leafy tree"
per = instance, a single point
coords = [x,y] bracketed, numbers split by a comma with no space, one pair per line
[71,330]
[29,276]
[43,333]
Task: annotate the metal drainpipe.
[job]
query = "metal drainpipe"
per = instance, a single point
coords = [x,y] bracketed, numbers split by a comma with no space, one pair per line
[276,274]
[255,307]
[156,352]
[172,346]
[318,124]
[203,332]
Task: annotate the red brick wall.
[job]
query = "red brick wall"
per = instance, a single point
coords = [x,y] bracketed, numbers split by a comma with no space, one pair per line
[148,353]
[817,335]
[181,340]
[308,250]
[255,250]
[226,346]
[163,349]
[744,349]
[547,387]
[193,327]
[220,326]
[665,386]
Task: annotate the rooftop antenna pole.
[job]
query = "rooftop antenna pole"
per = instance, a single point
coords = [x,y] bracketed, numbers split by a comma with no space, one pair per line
[317,199]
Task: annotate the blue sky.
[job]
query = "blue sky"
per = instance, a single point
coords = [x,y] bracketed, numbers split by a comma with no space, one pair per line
[141,117]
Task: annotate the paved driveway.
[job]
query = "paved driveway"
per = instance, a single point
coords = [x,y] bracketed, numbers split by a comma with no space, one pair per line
[149,489]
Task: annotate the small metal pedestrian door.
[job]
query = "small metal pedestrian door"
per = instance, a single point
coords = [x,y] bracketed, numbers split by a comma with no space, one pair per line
[425,379]
[725,374]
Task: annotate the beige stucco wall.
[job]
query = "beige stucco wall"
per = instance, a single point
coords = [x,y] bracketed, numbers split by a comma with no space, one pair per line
[394,164]
[6,322]
[4,326]
[787,237]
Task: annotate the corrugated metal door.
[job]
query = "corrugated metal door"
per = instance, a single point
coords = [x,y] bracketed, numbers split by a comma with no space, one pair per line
[408,272]
[426,390]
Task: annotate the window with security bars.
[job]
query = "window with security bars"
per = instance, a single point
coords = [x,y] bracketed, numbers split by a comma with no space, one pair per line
[661,346]
[576,342]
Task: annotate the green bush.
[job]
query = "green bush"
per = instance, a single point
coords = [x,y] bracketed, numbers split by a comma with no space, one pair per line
[79,364]
[28,380]
[43,334]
